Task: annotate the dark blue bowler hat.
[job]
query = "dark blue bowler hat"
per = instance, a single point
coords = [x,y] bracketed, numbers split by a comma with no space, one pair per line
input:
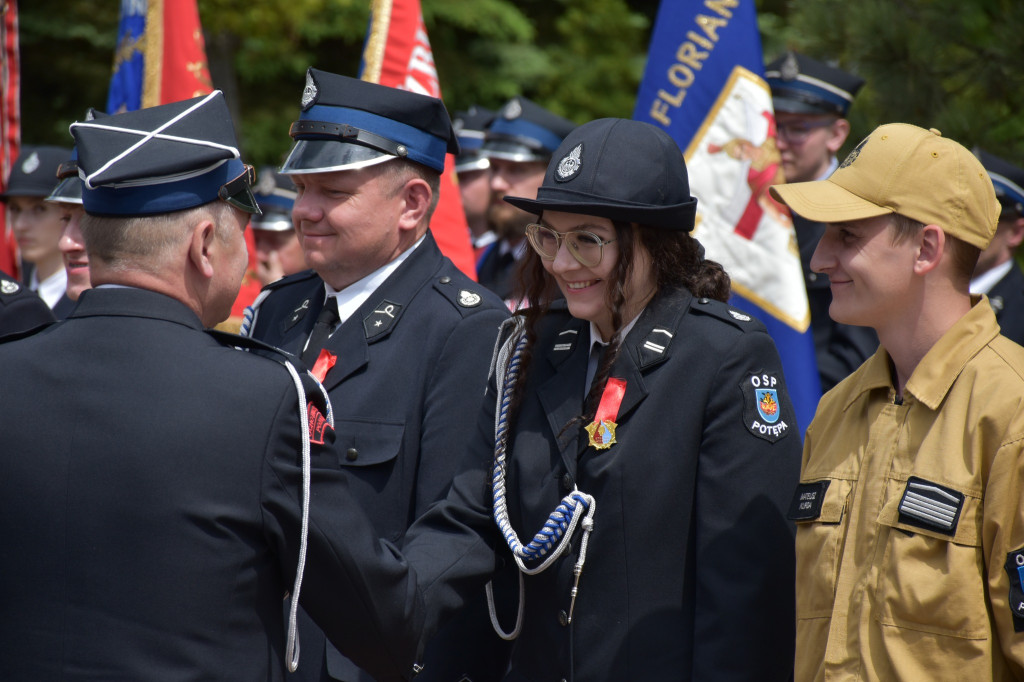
[802,85]
[618,169]
[34,172]
[347,123]
[525,131]
[1008,181]
[162,159]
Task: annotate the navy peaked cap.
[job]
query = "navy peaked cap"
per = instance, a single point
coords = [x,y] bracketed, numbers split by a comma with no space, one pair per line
[347,123]
[275,193]
[162,159]
[618,169]
[34,173]
[802,85]
[470,127]
[1007,179]
[69,185]
[525,131]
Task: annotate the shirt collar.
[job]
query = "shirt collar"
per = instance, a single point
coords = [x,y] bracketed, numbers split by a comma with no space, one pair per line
[983,283]
[51,288]
[595,335]
[934,375]
[354,295]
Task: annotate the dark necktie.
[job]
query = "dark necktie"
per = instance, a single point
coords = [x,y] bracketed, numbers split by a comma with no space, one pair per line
[325,322]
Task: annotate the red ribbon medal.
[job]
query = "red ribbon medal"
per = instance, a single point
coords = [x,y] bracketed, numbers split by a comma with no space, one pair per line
[602,429]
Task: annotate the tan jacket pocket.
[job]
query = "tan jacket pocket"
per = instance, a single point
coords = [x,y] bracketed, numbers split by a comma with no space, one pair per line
[931,577]
[818,509]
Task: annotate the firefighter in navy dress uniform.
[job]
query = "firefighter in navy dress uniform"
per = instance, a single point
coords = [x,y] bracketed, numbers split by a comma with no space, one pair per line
[669,556]
[155,509]
[404,356]
[997,274]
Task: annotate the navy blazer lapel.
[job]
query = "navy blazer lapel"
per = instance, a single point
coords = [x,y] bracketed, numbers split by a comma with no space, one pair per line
[382,312]
[561,395]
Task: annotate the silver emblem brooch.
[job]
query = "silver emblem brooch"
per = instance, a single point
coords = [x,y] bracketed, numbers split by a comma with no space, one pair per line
[309,92]
[570,164]
[9,287]
[513,110]
[30,164]
[740,316]
[468,299]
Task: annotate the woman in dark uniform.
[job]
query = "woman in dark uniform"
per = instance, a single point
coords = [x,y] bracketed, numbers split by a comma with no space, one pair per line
[643,426]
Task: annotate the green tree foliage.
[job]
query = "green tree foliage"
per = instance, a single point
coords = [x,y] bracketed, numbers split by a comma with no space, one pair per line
[949,64]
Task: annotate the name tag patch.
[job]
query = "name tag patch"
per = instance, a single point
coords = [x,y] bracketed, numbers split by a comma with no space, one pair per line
[931,506]
[807,501]
[1015,571]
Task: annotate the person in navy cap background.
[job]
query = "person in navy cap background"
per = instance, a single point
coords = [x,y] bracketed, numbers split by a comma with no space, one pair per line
[519,143]
[474,173]
[811,100]
[278,251]
[67,196]
[400,337]
[997,273]
[21,310]
[641,427]
[36,224]
[163,491]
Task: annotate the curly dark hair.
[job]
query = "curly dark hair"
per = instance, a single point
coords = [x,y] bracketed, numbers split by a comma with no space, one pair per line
[677,260]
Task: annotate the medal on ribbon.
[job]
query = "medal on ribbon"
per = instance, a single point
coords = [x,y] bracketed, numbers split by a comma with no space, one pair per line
[602,429]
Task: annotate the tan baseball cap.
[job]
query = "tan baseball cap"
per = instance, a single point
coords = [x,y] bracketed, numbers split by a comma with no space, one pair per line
[900,168]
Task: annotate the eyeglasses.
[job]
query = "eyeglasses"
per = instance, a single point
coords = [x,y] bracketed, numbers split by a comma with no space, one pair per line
[585,247]
[237,192]
[797,132]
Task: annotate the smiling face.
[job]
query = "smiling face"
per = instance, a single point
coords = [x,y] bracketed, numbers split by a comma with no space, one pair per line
[869,275]
[586,289]
[72,248]
[347,222]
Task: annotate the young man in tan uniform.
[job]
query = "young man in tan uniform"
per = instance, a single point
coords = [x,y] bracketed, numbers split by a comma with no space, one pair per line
[910,510]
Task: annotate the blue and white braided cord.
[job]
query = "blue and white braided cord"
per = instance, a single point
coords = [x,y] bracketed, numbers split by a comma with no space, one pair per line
[551,540]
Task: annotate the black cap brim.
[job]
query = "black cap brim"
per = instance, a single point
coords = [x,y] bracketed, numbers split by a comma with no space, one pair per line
[674,217]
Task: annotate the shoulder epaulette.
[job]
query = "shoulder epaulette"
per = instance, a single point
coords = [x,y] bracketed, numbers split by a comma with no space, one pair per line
[255,346]
[289,279]
[726,313]
[465,295]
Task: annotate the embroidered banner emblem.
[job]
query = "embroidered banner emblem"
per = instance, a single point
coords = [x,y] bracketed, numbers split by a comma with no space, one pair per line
[931,506]
[762,406]
[602,429]
[1015,570]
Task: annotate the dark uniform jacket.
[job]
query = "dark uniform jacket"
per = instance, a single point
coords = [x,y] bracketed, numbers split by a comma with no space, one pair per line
[151,517]
[21,310]
[409,379]
[496,271]
[689,568]
[1007,299]
[839,348]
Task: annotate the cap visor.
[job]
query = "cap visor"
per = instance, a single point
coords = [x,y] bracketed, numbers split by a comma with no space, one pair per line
[325,156]
[824,201]
[672,217]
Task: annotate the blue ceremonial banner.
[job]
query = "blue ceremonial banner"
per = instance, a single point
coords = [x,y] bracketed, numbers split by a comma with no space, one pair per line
[704,85]
[127,80]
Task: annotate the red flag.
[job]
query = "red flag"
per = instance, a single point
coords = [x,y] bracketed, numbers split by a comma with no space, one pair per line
[161,44]
[398,54]
[10,125]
